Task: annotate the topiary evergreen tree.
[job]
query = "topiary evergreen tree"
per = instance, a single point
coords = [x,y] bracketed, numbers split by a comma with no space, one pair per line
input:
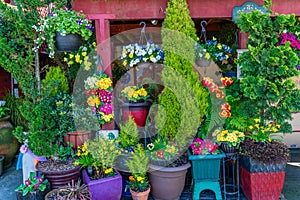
[268,67]
[183,102]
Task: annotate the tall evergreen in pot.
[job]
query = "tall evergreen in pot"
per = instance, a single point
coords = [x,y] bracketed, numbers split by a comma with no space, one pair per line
[183,102]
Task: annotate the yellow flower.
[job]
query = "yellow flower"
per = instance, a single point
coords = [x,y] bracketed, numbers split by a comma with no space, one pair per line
[130,55]
[87,65]
[83,54]
[94,44]
[251,127]
[71,55]
[274,129]
[70,62]
[76,163]
[256,125]
[124,63]
[65,59]
[90,101]
[219,46]
[256,120]
[109,170]
[207,56]
[97,101]
[77,58]
[140,179]
[278,125]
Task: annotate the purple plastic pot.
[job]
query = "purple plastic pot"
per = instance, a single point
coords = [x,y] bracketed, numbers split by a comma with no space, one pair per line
[106,188]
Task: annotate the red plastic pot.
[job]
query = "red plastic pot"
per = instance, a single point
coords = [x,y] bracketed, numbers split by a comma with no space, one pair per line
[261,185]
[138,111]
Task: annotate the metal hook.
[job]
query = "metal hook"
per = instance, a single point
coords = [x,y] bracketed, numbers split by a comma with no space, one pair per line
[203,23]
[144,27]
[202,26]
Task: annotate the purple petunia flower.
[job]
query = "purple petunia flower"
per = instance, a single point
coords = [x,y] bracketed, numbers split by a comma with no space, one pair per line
[91,28]
[79,21]
[298,67]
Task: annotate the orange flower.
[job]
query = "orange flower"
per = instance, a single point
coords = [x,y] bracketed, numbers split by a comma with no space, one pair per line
[131,178]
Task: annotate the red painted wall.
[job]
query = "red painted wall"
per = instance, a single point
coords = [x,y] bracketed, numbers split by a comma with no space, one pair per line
[154,9]
[5,82]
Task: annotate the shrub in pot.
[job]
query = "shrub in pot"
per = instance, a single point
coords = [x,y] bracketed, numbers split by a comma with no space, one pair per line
[267,69]
[49,119]
[138,167]
[105,182]
[182,104]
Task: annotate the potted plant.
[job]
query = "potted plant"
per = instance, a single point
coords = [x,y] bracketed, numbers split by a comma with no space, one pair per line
[263,156]
[98,89]
[47,125]
[206,163]
[8,143]
[128,140]
[138,167]
[35,188]
[62,24]
[267,69]
[182,104]
[106,182]
[75,191]
[136,104]
[229,140]
[221,54]
[133,54]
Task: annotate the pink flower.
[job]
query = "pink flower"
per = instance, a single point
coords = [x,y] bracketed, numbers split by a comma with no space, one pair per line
[27,182]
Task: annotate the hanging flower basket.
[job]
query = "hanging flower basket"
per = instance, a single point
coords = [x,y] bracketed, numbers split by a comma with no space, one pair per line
[67,43]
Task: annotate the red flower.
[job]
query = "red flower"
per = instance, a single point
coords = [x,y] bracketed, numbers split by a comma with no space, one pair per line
[225,113]
[227,81]
[225,106]
[219,94]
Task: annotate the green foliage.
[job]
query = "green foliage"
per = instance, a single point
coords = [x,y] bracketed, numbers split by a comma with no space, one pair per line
[55,81]
[239,120]
[183,101]
[33,183]
[105,151]
[3,111]
[13,104]
[267,69]
[128,134]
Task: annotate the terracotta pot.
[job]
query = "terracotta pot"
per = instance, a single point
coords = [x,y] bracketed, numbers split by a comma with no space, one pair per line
[167,182]
[106,188]
[8,143]
[140,195]
[68,43]
[61,178]
[77,138]
[139,112]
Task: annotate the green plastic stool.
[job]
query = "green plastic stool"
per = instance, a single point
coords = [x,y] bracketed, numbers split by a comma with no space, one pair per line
[206,185]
